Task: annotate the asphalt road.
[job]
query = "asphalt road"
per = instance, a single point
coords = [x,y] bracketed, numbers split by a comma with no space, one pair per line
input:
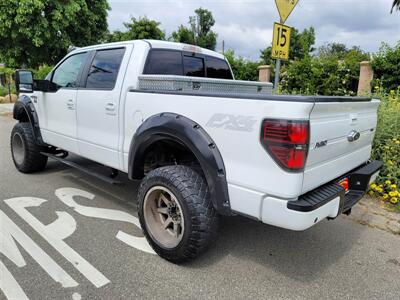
[99,254]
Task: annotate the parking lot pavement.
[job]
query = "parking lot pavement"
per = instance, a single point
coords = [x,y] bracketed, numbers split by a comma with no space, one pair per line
[64,235]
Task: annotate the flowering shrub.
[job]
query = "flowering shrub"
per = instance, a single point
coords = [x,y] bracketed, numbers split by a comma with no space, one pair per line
[387,148]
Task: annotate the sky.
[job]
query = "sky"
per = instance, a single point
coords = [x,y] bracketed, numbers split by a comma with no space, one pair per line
[246,25]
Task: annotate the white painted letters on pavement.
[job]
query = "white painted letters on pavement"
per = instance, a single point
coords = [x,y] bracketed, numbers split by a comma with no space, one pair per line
[10,233]
[55,233]
[66,196]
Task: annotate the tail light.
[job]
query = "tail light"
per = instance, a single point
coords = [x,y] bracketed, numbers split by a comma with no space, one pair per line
[344,183]
[287,142]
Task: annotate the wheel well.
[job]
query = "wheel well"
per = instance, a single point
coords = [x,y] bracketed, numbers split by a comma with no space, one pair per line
[22,116]
[168,152]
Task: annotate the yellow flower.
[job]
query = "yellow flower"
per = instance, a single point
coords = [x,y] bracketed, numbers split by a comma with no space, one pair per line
[379,190]
[388,182]
[394,200]
[373,186]
[393,186]
[397,142]
[385,196]
[392,194]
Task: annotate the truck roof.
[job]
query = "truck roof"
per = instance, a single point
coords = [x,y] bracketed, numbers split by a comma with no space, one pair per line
[159,45]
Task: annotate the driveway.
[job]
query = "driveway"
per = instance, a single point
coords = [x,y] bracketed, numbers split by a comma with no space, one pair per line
[65,235]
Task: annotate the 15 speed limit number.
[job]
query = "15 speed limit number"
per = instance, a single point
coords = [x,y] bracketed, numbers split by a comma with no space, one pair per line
[281,41]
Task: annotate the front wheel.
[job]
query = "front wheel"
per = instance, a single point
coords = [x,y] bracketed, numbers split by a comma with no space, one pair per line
[24,150]
[176,213]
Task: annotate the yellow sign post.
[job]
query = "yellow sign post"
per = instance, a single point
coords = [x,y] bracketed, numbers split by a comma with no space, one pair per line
[281,41]
[281,38]
[285,7]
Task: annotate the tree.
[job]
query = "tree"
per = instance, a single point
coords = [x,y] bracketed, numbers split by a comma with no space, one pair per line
[184,35]
[332,49]
[301,45]
[37,32]
[199,33]
[243,69]
[386,64]
[138,29]
[396,5]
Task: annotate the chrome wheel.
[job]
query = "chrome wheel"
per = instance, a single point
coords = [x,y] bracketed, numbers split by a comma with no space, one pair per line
[18,148]
[163,216]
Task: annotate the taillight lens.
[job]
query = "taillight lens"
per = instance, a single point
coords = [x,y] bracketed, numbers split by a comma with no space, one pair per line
[287,142]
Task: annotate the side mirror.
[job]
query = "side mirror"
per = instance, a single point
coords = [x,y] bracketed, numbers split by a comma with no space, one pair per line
[24,81]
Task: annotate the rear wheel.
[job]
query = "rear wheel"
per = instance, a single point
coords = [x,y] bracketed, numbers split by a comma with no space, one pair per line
[24,150]
[176,213]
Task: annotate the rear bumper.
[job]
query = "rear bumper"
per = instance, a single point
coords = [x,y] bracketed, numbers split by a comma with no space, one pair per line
[327,201]
[359,180]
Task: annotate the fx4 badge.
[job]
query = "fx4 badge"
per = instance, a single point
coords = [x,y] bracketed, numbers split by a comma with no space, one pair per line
[353,136]
[231,122]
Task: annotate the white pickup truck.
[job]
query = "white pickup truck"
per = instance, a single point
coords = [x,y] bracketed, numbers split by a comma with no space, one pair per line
[203,144]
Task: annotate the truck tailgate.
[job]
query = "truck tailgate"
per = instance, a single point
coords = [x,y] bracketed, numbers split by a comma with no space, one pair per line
[341,135]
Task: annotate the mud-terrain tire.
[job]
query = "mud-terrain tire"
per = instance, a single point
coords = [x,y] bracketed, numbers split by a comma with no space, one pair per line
[25,152]
[190,209]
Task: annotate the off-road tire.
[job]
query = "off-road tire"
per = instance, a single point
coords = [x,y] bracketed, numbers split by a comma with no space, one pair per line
[201,220]
[31,159]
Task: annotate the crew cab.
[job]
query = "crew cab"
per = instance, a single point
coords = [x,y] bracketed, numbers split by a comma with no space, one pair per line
[202,143]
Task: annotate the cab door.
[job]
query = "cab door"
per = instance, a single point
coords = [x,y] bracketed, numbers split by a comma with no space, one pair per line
[98,104]
[58,109]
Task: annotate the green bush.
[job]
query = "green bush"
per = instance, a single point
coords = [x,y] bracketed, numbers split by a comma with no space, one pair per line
[386,147]
[331,73]
[386,65]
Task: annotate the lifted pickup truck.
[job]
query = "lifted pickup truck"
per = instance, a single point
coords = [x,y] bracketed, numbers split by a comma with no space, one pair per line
[202,143]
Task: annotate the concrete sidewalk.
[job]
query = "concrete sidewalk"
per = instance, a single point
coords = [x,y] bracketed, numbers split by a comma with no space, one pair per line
[6,108]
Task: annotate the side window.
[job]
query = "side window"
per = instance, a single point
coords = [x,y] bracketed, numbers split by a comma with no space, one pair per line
[218,68]
[193,66]
[67,74]
[104,69]
[164,62]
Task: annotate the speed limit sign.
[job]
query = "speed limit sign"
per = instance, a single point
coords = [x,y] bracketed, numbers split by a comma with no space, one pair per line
[281,41]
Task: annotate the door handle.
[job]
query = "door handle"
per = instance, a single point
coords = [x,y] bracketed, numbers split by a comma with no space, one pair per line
[70,104]
[110,108]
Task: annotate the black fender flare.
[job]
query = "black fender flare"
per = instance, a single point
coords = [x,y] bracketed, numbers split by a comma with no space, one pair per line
[24,111]
[190,134]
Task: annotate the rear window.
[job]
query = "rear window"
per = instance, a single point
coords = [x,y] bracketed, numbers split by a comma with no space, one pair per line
[104,69]
[218,68]
[171,62]
[193,66]
[162,62]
